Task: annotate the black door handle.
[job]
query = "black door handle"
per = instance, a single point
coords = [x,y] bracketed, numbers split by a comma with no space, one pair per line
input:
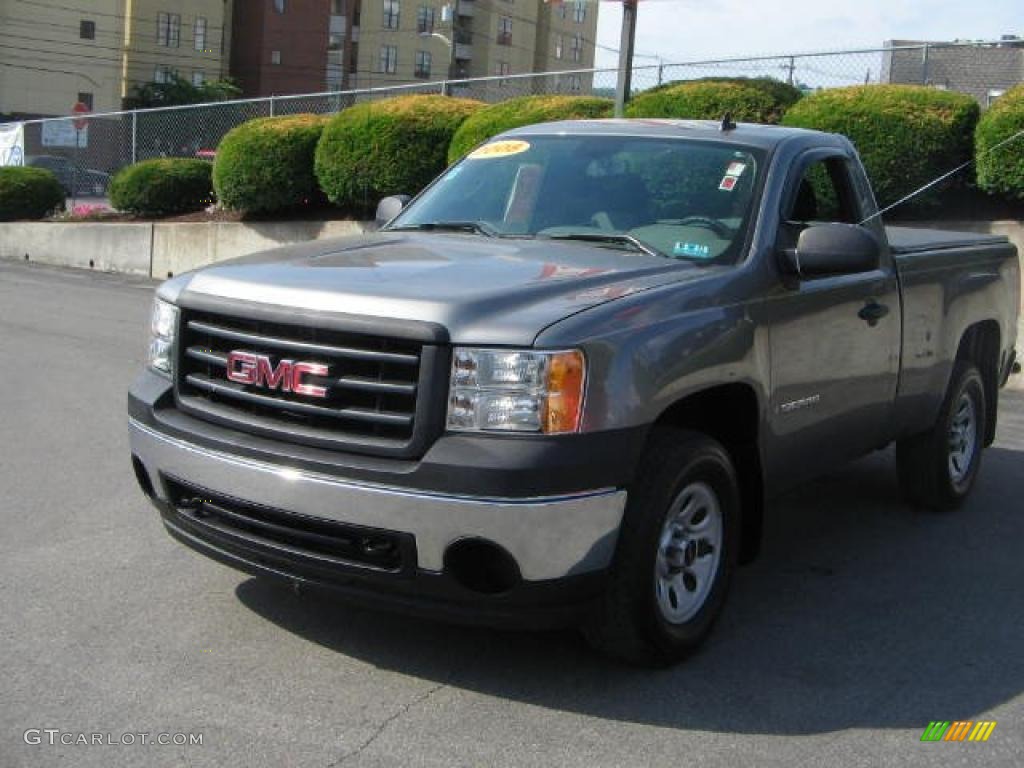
[872,312]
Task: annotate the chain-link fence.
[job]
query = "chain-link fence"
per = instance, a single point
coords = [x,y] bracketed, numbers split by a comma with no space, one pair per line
[84,159]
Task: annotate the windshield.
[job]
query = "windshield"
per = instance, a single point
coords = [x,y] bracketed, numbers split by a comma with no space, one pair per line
[678,198]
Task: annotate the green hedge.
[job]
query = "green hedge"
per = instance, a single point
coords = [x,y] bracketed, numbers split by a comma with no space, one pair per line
[906,134]
[1002,171]
[748,100]
[387,147]
[163,186]
[526,110]
[28,193]
[267,164]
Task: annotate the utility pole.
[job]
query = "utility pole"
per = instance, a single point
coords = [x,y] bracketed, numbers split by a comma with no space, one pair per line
[622,88]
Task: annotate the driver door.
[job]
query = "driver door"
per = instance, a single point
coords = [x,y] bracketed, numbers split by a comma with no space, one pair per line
[834,339]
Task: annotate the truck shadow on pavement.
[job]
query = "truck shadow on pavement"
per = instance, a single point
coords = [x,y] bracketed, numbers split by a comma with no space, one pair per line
[860,613]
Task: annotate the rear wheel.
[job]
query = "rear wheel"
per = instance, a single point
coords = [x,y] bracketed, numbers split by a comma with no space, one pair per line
[937,468]
[676,554]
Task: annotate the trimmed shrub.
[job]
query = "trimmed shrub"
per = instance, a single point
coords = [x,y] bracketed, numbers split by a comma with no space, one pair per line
[163,186]
[1002,171]
[760,100]
[28,193]
[387,147]
[906,134]
[526,110]
[267,164]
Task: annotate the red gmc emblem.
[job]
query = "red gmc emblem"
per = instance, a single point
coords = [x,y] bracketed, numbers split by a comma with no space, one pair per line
[248,368]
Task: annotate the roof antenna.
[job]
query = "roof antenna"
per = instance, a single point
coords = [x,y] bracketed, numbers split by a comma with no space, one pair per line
[727,123]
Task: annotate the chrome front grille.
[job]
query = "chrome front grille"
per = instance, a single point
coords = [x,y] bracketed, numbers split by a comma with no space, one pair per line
[372,387]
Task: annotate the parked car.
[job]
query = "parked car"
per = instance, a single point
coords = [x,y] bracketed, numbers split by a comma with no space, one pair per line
[558,386]
[75,179]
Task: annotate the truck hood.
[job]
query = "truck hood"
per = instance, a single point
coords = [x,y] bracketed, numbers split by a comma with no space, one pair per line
[482,290]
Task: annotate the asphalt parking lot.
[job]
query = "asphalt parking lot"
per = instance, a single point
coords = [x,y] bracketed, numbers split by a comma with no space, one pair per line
[863,620]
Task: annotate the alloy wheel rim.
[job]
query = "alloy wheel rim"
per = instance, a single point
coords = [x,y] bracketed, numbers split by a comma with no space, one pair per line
[689,551]
[963,438]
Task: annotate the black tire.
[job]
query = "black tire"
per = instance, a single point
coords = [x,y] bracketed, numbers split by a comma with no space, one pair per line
[926,474]
[632,624]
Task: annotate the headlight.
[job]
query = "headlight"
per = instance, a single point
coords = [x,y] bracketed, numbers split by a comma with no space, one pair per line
[495,390]
[163,328]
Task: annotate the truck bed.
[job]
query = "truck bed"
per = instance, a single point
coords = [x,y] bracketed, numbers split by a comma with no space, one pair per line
[907,240]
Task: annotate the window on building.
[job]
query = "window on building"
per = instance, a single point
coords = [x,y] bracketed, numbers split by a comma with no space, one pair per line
[87,30]
[275,57]
[425,19]
[561,10]
[504,31]
[164,74]
[168,29]
[392,8]
[335,42]
[199,33]
[502,68]
[579,11]
[388,59]
[423,60]
[575,83]
[353,58]
[198,78]
[337,7]
[85,97]
[577,47]
[559,44]
[279,6]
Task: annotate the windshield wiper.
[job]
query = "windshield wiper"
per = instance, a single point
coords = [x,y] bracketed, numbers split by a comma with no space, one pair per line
[601,237]
[477,227]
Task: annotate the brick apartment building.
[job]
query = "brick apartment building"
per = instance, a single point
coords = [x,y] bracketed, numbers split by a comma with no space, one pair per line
[985,72]
[97,51]
[300,46]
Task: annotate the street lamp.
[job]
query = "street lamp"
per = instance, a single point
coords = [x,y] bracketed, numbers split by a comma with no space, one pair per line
[451,58]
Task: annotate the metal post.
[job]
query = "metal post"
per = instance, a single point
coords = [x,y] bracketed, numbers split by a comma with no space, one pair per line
[135,137]
[453,73]
[623,87]
[791,68]
[661,70]
[271,106]
[924,64]
[78,162]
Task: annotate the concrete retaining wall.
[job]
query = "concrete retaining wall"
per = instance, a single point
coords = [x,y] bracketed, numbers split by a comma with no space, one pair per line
[156,249]
[107,247]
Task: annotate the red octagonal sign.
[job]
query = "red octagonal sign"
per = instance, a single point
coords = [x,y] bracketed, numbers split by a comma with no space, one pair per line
[79,109]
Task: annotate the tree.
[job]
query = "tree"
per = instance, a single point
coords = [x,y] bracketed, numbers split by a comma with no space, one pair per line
[178,91]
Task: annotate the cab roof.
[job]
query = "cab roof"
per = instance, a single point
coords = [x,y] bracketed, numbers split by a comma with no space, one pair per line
[747,134]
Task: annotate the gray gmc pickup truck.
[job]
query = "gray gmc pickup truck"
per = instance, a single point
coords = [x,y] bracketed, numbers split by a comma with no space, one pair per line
[558,385]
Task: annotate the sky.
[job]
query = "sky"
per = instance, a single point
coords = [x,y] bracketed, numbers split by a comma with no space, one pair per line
[691,30]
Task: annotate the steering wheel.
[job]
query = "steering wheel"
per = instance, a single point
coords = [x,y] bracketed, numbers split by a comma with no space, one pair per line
[720,229]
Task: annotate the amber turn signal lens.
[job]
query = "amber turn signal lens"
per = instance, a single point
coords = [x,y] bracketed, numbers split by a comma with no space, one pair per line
[563,408]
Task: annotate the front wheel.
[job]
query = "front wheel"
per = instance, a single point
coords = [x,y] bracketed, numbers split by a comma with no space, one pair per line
[937,468]
[676,554]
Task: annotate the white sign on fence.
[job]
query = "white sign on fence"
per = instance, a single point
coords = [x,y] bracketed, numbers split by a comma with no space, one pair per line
[12,144]
[62,133]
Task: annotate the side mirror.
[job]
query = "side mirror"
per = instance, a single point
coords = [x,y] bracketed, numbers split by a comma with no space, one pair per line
[834,249]
[390,207]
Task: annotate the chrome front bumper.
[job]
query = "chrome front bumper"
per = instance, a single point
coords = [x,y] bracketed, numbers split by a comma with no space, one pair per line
[550,537]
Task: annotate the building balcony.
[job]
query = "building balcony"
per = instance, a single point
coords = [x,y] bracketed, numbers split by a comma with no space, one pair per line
[463,51]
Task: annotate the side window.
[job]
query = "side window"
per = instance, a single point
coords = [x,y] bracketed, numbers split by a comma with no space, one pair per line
[824,194]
